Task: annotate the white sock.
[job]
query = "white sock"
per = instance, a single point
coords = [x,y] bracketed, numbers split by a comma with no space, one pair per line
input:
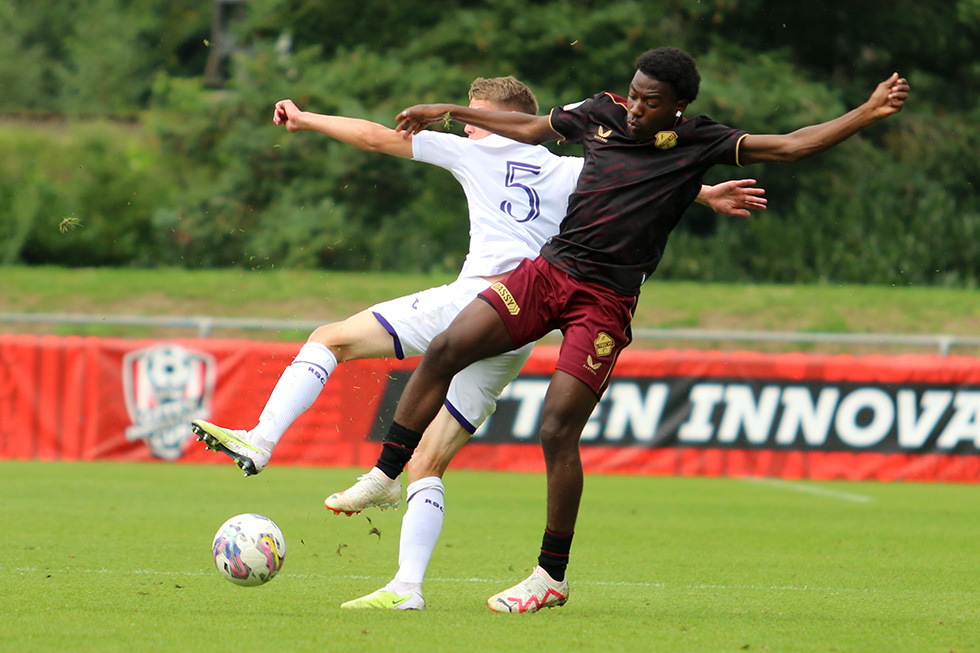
[421,526]
[296,390]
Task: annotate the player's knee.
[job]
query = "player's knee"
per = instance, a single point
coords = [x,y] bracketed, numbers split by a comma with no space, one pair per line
[556,435]
[441,346]
[324,334]
[442,356]
[331,336]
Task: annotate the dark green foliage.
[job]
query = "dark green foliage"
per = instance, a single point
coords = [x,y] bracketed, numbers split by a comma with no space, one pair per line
[96,57]
[103,187]
[895,205]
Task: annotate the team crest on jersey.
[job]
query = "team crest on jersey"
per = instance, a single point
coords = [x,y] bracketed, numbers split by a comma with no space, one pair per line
[505,295]
[665,140]
[166,387]
[603,344]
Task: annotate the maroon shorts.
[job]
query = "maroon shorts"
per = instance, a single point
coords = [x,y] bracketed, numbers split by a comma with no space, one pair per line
[538,298]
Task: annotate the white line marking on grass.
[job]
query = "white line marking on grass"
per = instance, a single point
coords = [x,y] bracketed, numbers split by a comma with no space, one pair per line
[815,490]
[598,583]
[103,570]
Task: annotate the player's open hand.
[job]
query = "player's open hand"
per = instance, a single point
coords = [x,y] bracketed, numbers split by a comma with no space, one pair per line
[738,197]
[890,95]
[414,119]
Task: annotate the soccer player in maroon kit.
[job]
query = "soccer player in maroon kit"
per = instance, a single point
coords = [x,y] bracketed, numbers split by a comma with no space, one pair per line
[644,163]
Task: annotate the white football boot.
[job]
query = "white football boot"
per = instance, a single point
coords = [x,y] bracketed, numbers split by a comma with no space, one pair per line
[372,489]
[536,591]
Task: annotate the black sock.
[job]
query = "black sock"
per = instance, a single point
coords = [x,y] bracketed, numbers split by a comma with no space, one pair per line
[554,553]
[398,447]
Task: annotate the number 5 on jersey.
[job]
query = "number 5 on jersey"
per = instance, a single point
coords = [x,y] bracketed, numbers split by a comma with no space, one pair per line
[514,169]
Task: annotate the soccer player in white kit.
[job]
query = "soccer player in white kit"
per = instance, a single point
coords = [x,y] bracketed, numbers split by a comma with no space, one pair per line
[516,195]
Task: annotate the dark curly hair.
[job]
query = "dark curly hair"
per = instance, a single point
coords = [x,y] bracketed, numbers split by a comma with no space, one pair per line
[674,67]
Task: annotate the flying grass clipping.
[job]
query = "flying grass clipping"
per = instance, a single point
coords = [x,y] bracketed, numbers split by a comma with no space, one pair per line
[69,222]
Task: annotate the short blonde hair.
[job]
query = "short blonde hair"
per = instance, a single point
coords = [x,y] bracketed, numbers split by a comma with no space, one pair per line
[506,93]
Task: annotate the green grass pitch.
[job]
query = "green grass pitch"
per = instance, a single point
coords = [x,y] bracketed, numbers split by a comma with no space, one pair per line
[116,557]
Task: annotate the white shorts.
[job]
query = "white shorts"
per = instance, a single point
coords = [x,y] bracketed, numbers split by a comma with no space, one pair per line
[414,320]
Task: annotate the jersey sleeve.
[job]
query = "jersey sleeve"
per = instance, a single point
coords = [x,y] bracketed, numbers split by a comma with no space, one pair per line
[720,142]
[438,148]
[571,120]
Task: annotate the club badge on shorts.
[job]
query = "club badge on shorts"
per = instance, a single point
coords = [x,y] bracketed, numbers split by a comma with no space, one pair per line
[603,344]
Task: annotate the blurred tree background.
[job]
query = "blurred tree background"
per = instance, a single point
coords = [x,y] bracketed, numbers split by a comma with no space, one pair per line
[149,123]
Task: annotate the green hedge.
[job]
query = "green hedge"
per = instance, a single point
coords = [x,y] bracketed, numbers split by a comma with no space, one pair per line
[81,194]
[200,177]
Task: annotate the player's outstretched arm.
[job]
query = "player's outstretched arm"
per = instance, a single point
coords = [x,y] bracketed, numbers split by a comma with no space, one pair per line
[514,125]
[738,197]
[887,99]
[362,134]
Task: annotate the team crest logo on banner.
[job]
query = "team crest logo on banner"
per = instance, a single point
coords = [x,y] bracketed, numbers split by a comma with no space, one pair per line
[166,387]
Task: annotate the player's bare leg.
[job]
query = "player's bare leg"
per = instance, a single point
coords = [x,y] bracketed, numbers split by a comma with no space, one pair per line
[475,334]
[440,442]
[438,446]
[359,336]
[423,519]
[568,405]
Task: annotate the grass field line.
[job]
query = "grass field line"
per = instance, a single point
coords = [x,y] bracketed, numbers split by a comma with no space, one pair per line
[815,490]
[501,581]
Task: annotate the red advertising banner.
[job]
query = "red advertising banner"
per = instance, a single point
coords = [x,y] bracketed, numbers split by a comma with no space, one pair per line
[911,417]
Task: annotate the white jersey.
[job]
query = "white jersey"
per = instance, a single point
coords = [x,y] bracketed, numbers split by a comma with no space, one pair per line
[517,195]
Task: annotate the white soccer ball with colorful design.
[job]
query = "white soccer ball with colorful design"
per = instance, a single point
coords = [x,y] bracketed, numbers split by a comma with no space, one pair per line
[249,550]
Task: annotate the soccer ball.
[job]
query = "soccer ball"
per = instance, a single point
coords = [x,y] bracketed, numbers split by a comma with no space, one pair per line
[249,550]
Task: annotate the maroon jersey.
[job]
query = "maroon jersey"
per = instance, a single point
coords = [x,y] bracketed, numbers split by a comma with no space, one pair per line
[631,193]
